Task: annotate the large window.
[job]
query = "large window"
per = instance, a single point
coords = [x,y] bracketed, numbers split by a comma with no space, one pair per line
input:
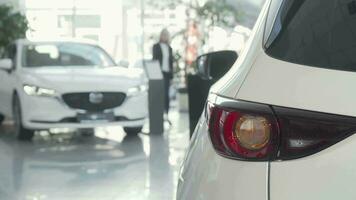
[80,21]
[319,33]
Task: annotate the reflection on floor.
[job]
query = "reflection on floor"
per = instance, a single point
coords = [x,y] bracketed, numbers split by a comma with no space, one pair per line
[109,165]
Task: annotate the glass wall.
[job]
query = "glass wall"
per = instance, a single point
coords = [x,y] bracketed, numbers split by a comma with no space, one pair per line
[128,29]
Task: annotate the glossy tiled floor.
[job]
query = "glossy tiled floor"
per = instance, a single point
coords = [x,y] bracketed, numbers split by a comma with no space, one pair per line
[109,166]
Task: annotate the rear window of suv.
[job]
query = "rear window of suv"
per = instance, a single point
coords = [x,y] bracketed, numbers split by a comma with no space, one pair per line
[319,33]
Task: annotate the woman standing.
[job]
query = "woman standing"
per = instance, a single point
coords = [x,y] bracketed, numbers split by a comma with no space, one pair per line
[162,52]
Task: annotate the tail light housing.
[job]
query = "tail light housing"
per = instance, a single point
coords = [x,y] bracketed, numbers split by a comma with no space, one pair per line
[305,133]
[258,132]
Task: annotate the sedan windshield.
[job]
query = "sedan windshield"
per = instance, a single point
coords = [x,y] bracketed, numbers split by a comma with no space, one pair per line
[64,54]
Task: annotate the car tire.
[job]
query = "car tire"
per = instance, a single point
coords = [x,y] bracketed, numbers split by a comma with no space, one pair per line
[133,130]
[21,132]
[2,118]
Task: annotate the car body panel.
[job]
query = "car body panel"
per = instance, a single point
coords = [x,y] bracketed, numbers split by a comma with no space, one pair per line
[297,86]
[91,79]
[36,117]
[327,175]
[205,175]
[231,82]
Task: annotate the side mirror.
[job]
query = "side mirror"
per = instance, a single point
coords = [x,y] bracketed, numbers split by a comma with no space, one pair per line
[6,64]
[123,63]
[212,66]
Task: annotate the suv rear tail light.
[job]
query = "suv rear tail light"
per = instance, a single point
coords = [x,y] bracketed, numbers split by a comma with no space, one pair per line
[243,130]
[257,132]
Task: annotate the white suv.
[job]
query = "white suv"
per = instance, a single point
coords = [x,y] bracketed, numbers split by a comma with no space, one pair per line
[69,84]
[281,124]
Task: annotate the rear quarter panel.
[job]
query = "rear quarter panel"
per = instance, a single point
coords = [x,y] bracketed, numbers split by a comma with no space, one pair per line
[328,175]
[231,82]
[207,176]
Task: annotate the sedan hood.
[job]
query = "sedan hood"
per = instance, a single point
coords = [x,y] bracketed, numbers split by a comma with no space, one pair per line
[82,79]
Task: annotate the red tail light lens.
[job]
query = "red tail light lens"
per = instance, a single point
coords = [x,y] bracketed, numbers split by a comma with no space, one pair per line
[244,131]
[257,132]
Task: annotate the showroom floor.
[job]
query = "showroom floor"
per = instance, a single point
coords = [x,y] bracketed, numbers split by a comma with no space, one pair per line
[109,166]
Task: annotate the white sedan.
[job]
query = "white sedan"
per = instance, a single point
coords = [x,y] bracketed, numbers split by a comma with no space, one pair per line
[68,84]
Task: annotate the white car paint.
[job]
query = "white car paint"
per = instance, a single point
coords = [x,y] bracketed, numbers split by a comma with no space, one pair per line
[229,84]
[205,175]
[67,79]
[257,77]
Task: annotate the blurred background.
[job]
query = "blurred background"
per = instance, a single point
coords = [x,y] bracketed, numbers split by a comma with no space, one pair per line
[128,29]
[112,165]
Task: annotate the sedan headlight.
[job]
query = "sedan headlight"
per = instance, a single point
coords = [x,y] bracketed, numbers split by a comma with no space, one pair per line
[137,90]
[39,91]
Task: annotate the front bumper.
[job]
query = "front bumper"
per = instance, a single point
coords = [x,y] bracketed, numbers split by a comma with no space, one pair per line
[46,113]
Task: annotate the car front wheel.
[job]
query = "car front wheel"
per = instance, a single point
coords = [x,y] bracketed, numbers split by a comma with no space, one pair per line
[21,132]
[2,118]
[133,130]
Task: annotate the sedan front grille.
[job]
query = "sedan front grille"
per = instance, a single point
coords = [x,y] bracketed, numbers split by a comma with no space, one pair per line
[94,101]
